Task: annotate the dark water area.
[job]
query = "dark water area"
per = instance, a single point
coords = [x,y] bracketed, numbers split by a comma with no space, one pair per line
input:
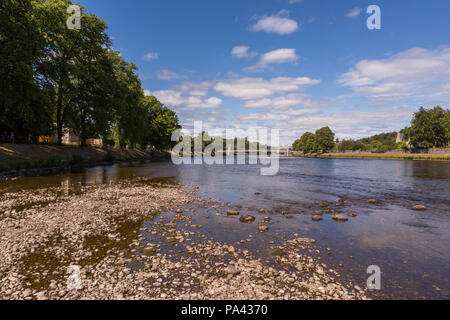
[412,248]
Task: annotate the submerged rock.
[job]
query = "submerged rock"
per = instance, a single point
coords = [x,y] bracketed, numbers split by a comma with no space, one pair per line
[232,213]
[263,228]
[317,218]
[352,214]
[340,218]
[247,219]
[372,201]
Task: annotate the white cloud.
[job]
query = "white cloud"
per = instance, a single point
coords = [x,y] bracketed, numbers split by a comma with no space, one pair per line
[282,103]
[258,88]
[356,124]
[150,56]
[179,101]
[409,73]
[167,75]
[279,23]
[354,13]
[242,52]
[198,89]
[278,56]
[294,122]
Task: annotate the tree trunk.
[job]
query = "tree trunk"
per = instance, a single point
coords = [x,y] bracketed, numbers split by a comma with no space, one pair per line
[59,115]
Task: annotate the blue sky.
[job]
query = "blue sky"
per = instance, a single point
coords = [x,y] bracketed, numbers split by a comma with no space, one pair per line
[293,65]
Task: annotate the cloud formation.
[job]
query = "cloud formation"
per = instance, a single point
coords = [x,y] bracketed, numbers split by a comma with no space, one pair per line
[242,52]
[413,72]
[167,75]
[279,23]
[354,13]
[150,56]
[258,88]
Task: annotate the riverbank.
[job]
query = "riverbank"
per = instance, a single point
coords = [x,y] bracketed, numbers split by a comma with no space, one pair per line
[387,156]
[17,160]
[136,240]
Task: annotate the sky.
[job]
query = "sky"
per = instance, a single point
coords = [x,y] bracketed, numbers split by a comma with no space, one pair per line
[292,65]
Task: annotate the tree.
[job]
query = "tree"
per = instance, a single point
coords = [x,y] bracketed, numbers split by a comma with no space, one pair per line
[429,128]
[307,143]
[67,55]
[325,139]
[92,83]
[162,122]
[346,145]
[24,105]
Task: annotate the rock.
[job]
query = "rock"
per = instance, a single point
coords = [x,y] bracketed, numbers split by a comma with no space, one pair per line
[261,210]
[263,228]
[420,207]
[352,214]
[317,218]
[232,270]
[247,219]
[26,293]
[179,211]
[267,219]
[318,213]
[232,213]
[340,218]
[373,201]
[41,296]
[149,251]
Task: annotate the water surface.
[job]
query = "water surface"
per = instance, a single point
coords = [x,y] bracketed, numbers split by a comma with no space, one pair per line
[412,248]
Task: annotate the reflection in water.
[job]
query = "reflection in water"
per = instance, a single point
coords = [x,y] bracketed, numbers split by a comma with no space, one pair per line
[412,248]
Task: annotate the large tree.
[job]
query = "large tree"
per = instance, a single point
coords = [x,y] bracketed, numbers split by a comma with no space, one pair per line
[162,123]
[430,128]
[66,53]
[307,143]
[325,139]
[131,117]
[24,106]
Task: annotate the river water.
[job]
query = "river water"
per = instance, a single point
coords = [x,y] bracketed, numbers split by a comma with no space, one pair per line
[412,248]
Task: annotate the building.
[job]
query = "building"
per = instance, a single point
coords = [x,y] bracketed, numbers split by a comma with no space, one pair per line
[285,150]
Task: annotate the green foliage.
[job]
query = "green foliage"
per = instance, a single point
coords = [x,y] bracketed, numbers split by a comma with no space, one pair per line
[307,143]
[378,144]
[53,77]
[325,140]
[403,146]
[430,128]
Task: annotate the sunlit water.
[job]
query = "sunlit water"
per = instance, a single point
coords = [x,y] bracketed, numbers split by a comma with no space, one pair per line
[412,248]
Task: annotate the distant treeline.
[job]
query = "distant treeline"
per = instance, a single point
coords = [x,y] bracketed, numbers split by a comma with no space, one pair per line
[429,129]
[203,140]
[54,79]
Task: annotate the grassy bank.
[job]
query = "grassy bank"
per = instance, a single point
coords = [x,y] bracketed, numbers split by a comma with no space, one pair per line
[20,156]
[403,156]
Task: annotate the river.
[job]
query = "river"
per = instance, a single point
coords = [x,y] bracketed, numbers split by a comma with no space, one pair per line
[412,248]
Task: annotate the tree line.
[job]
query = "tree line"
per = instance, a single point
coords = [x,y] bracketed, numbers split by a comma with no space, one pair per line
[204,140]
[53,78]
[430,128]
